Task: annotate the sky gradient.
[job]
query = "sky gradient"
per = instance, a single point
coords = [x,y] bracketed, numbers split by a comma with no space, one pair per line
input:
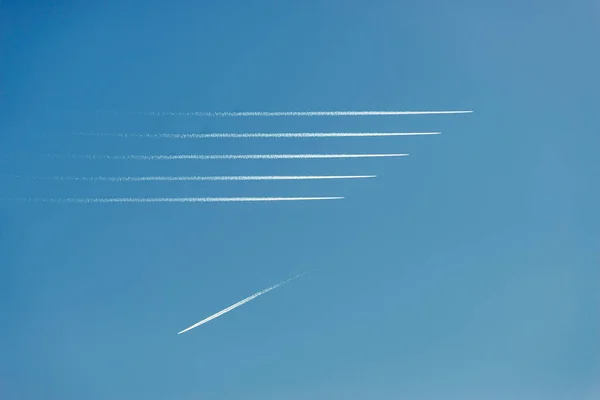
[467,270]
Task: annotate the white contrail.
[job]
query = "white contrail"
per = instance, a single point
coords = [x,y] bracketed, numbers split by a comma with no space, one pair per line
[294,113]
[222,156]
[201,178]
[282,135]
[239,303]
[89,200]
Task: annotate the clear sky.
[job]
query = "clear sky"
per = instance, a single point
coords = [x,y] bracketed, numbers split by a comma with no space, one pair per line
[468,270]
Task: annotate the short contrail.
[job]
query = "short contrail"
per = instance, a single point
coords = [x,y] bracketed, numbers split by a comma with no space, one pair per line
[201,178]
[90,200]
[239,303]
[222,156]
[283,135]
[294,113]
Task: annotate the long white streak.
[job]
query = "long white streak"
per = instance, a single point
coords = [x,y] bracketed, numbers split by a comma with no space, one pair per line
[222,156]
[239,303]
[295,113]
[200,178]
[283,135]
[89,200]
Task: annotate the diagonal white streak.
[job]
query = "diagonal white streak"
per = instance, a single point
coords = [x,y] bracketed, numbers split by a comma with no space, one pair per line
[239,303]
[201,178]
[90,200]
[222,156]
[282,135]
[296,113]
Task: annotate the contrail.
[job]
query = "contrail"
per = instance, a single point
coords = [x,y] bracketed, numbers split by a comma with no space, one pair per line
[89,200]
[201,178]
[282,135]
[239,303]
[294,113]
[222,156]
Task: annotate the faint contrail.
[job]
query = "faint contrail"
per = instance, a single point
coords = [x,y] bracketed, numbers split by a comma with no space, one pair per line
[222,156]
[282,135]
[239,303]
[89,200]
[294,113]
[201,178]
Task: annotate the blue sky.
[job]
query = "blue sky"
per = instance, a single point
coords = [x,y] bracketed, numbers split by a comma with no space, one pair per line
[467,270]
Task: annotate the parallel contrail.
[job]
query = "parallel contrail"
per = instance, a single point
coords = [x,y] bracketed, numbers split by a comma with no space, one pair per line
[201,178]
[239,303]
[222,156]
[281,135]
[89,200]
[295,113]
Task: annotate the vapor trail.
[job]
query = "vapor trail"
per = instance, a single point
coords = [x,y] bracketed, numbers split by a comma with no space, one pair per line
[295,113]
[239,303]
[256,135]
[89,200]
[222,156]
[201,178]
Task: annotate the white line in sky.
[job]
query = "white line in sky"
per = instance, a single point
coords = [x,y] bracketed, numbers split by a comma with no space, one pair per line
[239,303]
[90,200]
[222,156]
[295,113]
[201,178]
[281,135]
